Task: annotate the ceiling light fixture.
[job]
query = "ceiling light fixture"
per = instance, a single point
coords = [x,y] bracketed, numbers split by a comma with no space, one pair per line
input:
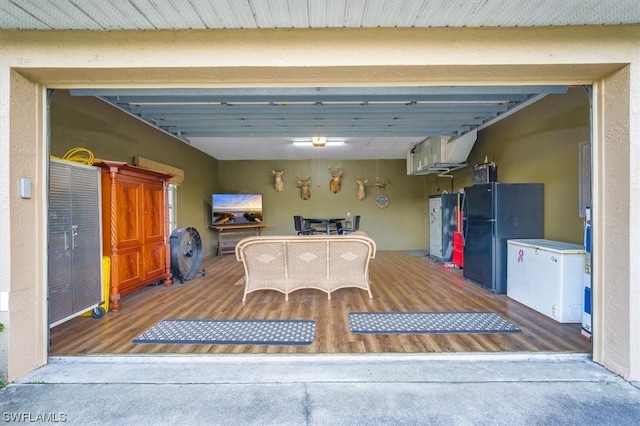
[319,141]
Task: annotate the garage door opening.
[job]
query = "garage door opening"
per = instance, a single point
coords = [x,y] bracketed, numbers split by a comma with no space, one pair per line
[538,143]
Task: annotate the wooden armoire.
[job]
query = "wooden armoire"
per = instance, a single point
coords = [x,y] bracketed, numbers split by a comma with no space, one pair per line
[135,227]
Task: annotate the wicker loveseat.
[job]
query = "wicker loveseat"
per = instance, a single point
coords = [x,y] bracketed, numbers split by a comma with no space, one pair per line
[289,263]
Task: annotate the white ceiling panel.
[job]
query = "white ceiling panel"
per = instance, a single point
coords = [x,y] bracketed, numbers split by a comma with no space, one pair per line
[353,13]
[203,14]
[336,12]
[299,14]
[374,122]
[208,15]
[264,13]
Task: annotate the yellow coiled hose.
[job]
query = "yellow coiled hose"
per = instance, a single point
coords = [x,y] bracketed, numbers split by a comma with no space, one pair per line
[78,155]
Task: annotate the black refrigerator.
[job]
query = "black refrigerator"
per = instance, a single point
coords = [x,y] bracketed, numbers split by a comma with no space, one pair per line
[494,213]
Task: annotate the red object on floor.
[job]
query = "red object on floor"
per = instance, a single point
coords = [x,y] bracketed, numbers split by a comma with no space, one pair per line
[458,249]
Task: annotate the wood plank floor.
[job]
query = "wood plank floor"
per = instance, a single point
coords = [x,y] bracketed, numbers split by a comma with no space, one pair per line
[400,282]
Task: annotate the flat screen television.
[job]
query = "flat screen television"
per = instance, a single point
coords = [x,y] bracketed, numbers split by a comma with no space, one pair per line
[236,208]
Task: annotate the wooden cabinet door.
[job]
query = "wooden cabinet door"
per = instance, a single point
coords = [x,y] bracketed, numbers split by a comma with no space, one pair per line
[154,256]
[130,268]
[129,213]
[154,252]
[154,212]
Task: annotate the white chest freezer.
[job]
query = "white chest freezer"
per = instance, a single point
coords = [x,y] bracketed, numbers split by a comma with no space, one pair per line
[547,276]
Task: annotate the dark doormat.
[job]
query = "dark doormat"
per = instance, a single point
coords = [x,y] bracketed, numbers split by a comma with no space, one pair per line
[230,332]
[428,322]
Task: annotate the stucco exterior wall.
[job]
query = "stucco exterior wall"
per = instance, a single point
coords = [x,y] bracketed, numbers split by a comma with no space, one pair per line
[633,362]
[615,224]
[249,58]
[24,241]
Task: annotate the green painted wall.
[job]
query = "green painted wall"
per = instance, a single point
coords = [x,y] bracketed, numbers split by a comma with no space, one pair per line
[113,135]
[400,226]
[537,144]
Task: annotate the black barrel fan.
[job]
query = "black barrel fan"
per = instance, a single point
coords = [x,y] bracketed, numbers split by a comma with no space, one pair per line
[186,254]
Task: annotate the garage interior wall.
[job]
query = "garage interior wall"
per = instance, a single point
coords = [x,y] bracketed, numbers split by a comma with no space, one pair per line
[538,144]
[112,134]
[574,55]
[400,226]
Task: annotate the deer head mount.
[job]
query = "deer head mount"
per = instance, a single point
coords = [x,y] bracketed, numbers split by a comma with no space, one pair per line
[278,185]
[303,183]
[360,193]
[335,183]
[382,185]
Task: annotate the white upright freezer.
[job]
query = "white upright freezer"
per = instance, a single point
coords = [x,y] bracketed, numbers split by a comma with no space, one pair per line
[547,276]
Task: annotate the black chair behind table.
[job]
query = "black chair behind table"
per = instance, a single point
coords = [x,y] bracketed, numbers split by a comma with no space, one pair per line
[301,229]
[349,229]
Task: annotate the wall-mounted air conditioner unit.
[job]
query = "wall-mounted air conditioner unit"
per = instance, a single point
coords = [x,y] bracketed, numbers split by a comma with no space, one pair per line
[440,154]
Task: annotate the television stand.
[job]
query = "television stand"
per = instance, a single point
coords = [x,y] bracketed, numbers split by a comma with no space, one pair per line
[234,229]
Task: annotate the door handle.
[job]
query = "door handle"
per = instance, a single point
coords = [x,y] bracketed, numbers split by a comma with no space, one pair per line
[74,234]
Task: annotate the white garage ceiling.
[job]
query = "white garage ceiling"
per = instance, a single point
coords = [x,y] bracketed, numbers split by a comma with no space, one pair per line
[226,14]
[381,122]
[372,122]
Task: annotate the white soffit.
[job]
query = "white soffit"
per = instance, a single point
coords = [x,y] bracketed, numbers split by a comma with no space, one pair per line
[225,14]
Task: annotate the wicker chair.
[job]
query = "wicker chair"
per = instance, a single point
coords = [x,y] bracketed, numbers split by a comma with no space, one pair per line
[322,262]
